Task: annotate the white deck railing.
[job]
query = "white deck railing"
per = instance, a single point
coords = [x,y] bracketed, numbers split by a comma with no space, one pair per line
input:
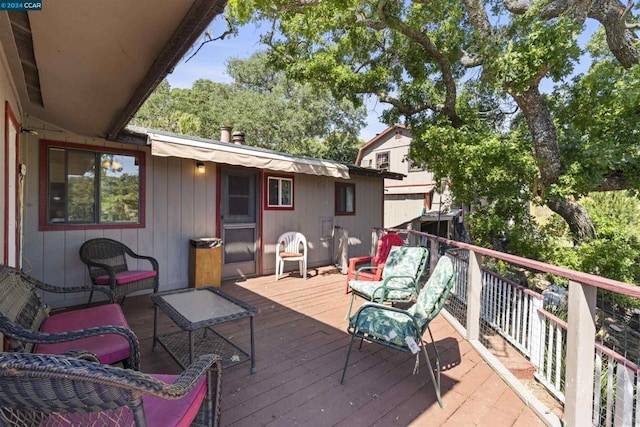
[565,354]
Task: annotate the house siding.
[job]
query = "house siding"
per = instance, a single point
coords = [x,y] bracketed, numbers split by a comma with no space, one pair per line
[180,205]
[314,204]
[403,205]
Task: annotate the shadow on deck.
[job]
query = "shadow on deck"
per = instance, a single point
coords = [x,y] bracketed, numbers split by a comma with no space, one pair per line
[301,345]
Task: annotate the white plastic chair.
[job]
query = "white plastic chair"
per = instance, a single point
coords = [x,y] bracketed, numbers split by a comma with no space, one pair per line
[292,246]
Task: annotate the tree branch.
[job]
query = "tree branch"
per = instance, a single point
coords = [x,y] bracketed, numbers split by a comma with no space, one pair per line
[479,19]
[622,41]
[449,108]
[405,109]
[230,30]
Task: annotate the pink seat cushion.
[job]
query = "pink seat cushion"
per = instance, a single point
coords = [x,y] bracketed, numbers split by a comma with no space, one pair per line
[126,277]
[157,411]
[181,412]
[109,348]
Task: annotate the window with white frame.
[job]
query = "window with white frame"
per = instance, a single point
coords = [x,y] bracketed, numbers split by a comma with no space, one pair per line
[279,192]
[382,160]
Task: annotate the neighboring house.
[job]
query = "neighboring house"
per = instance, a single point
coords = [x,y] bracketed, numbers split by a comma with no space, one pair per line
[71,77]
[416,201]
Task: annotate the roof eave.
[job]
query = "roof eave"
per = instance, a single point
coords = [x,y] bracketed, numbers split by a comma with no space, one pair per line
[192,26]
[379,173]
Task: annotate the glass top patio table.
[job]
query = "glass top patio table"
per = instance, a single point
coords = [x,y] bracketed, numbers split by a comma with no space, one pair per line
[195,310]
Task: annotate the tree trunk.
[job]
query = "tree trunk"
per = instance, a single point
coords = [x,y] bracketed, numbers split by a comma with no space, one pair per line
[543,133]
[621,40]
[576,217]
[545,144]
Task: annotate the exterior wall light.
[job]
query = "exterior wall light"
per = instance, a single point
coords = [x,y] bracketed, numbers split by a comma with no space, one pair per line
[200,166]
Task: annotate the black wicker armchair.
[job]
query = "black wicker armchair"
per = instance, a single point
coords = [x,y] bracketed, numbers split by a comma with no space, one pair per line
[28,326]
[106,260]
[74,390]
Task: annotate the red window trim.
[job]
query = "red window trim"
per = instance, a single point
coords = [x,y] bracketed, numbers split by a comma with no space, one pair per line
[266,193]
[44,173]
[335,206]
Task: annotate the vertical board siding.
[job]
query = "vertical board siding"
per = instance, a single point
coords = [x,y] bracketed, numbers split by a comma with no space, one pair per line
[160,222]
[53,256]
[180,204]
[314,202]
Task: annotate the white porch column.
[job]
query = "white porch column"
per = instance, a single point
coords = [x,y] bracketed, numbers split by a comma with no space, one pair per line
[474,292]
[344,256]
[580,354]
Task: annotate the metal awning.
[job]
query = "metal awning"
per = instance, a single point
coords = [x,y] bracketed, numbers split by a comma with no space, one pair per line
[165,145]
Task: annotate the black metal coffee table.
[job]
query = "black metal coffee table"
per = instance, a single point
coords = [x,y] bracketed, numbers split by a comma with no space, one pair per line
[195,311]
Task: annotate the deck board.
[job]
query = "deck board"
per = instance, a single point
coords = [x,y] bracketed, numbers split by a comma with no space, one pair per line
[301,346]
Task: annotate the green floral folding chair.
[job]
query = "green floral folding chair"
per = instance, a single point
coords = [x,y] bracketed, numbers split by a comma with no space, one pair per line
[403,329]
[400,277]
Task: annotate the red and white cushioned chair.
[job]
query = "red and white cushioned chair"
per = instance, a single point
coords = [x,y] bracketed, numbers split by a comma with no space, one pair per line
[291,247]
[370,267]
[106,260]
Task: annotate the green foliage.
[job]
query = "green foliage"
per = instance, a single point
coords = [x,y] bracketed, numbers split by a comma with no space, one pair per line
[273,112]
[597,143]
[535,48]
[519,236]
[616,252]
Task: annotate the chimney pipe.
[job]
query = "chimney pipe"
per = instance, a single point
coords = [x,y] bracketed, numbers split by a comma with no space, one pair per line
[238,138]
[225,133]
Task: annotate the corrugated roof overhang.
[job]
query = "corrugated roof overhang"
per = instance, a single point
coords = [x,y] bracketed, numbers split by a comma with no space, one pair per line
[239,155]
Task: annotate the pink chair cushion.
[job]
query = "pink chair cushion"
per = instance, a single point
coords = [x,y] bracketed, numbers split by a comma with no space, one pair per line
[181,412]
[126,277]
[157,411]
[109,348]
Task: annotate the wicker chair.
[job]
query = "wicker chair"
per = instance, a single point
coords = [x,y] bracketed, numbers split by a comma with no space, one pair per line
[75,390]
[106,260]
[28,326]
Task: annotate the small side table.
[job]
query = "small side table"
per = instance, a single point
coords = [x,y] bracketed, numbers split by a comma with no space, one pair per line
[195,311]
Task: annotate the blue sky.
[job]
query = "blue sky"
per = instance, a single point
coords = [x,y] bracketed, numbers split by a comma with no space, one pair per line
[209,63]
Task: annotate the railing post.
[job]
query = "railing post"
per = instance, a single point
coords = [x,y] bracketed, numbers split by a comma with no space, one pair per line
[374,242]
[474,295]
[580,354]
[344,258]
[536,335]
[434,247]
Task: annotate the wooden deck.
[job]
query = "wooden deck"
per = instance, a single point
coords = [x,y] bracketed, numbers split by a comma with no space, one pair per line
[301,345]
